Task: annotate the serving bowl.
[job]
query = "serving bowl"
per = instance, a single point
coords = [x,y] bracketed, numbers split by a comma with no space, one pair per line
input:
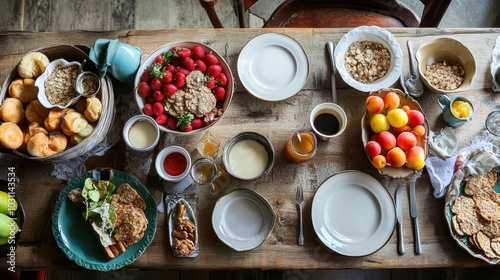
[452,52]
[209,119]
[248,156]
[372,34]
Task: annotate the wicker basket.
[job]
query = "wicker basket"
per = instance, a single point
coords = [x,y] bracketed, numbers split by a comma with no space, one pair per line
[74,53]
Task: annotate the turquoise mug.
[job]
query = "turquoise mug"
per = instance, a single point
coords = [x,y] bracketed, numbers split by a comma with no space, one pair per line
[457,110]
[119,59]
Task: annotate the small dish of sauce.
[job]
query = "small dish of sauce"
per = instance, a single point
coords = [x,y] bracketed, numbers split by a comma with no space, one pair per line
[141,133]
[173,163]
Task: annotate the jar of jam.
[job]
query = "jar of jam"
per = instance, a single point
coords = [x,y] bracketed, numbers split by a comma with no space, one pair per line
[301,146]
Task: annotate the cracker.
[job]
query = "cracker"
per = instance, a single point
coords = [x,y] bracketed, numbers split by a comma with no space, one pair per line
[488,209]
[484,243]
[476,183]
[469,222]
[495,246]
[462,203]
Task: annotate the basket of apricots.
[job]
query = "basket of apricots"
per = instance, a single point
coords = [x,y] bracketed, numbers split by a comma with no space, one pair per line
[394,132]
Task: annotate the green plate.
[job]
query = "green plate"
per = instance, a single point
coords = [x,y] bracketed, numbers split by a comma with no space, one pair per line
[76,238]
[463,240]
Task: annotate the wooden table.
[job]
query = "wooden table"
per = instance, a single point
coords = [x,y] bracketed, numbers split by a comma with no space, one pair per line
[276,121]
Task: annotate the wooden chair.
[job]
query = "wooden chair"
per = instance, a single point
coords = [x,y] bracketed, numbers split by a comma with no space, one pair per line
[340,13]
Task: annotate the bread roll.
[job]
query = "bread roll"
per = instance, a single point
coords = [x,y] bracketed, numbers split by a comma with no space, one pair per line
[11,136]
[32,65]
[76,138]
[53,121]
[35,112]
[73,122]
[43,145]
[24,90]
[93,110]
[12,110]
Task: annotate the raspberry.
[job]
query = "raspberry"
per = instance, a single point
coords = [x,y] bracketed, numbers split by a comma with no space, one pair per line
[210,59]
[169,89]
[198,52]
[161,119]
[220,93]
[200,65]
[148,109]
[214,70]
[158,108]
[156,84]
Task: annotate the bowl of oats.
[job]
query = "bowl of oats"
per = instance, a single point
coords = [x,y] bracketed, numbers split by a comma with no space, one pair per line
[446,66]
[369,58]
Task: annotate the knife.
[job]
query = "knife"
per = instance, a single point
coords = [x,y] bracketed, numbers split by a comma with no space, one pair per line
[331,48]
[399,216]
[414,214]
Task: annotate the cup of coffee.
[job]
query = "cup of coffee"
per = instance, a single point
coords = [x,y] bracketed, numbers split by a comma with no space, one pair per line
[328,120]
[457,110]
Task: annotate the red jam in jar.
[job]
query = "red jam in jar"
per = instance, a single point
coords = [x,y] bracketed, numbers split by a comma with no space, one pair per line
[175,164]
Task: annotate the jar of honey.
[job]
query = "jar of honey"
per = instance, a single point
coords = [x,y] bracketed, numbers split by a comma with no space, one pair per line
[208,146]
[301,146]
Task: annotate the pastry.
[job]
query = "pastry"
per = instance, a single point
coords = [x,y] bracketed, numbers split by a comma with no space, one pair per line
[35,112]
[44,145]
[32,65]
[23,89]
[54,119]
[11,136]
[73,122]
[76,138]
[93,109]
[12,110]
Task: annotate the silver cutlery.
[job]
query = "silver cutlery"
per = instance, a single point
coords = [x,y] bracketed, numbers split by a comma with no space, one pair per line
[413,83]
[331,49]
[414,216]
[399,216]
[300,202]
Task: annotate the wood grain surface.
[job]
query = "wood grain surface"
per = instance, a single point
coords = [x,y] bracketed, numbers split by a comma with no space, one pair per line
[277,121]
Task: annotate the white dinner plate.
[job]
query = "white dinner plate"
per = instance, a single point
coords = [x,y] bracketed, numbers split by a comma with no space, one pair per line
[273,67]
[353,214]
[243,219]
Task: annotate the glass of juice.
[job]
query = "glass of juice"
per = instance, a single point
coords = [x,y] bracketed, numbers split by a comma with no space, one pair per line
[208,146]
[301,146]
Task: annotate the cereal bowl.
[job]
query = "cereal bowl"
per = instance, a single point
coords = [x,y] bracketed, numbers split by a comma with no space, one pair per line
[387,53]
[59,74]
[453,53]
[202,87]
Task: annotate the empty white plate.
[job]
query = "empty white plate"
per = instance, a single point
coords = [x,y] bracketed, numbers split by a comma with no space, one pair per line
[243,219]
[273,67]
[353,214]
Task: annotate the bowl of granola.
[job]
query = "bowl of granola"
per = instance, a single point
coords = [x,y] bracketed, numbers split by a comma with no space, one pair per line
[446,65]
[368,58]
[185,86]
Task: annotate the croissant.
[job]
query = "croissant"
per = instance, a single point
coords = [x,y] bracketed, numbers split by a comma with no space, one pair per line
[23,89]
[44,145]
[12,110]
[35,112]
[73,122]
[93,110]
[11,136]
[32,65]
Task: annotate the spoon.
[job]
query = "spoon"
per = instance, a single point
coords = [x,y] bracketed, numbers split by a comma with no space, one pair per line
[413,83]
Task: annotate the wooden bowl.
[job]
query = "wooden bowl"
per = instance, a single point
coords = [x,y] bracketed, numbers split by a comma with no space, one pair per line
[73,53]
[366,132]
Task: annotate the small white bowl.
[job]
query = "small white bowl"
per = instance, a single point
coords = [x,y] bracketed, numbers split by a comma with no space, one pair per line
[160,159]
[141,133]
[40,83]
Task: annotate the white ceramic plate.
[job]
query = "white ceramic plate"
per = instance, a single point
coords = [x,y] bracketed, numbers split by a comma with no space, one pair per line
[273,67]
[243,219]
[353,214]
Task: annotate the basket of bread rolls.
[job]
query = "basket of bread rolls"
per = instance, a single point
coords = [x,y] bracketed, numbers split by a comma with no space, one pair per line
[65,130]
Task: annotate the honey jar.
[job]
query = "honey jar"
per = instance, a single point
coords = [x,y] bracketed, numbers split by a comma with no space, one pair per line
[301,146]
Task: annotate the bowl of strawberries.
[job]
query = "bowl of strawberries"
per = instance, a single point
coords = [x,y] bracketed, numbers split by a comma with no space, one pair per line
[185,86]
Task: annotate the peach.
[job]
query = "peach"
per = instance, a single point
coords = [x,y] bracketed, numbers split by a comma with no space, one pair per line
[386,140]
[406,108]
[415,118]
[391,101]
[379,161]
[396,157]
[415,158]
[398,130]
[379,123]
[373,148]
[374,104]
[406,140]
[397,117]
[419,130]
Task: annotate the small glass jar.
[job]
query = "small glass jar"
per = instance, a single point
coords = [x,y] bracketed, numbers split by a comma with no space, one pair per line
[301,146]
[208,146]
[493,123]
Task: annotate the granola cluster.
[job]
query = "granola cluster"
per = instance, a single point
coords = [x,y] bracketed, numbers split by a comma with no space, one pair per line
[367,61]
[445,76]
[60,85]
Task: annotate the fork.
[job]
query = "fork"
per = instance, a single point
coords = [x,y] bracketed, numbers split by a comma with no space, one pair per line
[300,202]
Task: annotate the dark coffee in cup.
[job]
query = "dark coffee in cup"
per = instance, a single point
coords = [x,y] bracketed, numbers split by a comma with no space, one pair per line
[327,124]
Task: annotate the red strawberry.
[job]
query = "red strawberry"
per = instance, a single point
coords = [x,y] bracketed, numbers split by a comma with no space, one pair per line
[200,65]
[158,108]
[170,68]
[150,99]
[172,123]
[148,109]
[198,52]
[214,70]
[220,93]
[156,84]
[206,123]
[189,64]
[167,77]
[169,89]
[145,77]
[184,53]
[158,95]
[188,128]
[211,84]
[144,89]
[159,59]
[183,71]
[180,79]
[176,61]
[161,119]
[210,59]
[222,79]
[197,123]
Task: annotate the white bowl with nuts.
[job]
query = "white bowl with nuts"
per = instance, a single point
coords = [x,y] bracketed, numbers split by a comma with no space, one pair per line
[56,86]
[368,58]
[446,66]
